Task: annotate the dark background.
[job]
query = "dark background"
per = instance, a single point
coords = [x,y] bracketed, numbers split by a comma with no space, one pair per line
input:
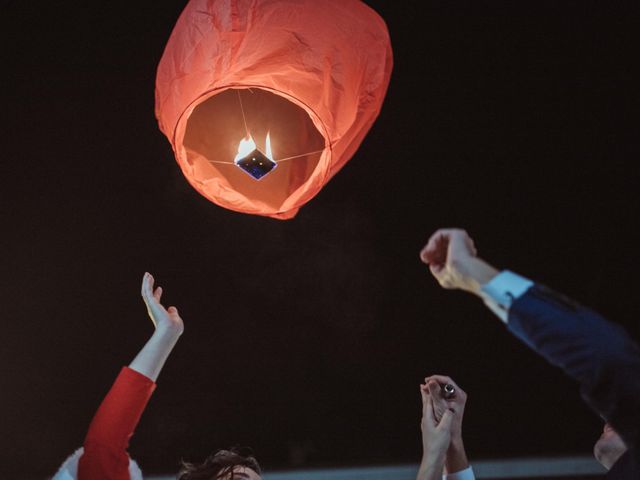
[307,339]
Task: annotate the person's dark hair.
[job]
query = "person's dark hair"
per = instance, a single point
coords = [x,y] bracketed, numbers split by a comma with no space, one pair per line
[219,464]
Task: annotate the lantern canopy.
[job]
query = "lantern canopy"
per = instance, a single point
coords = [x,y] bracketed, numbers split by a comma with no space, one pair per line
[298,83]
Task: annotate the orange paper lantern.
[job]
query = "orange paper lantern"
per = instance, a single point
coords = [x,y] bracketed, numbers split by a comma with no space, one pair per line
[309,74]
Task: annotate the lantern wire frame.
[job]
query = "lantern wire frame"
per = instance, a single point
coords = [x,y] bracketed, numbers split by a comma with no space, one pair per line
[248,133]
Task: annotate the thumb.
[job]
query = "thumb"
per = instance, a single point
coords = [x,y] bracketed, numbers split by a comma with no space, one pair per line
[172,310]
[446,421]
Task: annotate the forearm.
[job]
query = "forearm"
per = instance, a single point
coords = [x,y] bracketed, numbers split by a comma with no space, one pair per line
[456,459]
[105,445]
[121,409]
[154,354]
[431,467]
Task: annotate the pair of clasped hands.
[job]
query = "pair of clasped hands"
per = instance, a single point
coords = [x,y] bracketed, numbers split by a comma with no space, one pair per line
[441,417]
[441,426]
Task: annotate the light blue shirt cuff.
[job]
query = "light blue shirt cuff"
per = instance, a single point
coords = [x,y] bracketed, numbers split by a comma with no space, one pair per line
[466,474]
[503,290]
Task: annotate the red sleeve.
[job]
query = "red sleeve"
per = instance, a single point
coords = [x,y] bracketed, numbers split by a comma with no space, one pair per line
[105,446]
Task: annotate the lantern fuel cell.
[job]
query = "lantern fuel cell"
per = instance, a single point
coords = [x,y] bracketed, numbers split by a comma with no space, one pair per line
[256,164]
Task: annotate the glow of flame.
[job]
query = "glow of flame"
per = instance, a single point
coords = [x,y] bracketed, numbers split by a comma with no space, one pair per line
[246,146]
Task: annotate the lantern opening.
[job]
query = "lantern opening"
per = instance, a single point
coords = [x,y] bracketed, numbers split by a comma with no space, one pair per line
[235,128]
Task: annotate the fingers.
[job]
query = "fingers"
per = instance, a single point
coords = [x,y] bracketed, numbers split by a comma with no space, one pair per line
[144,283]
[147,286]
[436,250]
[157,294]
[447,421]
[149,294]
[440,405]
[423,394]
[427,410]
[433,387]
[429,387]
[459,394]
[442,379]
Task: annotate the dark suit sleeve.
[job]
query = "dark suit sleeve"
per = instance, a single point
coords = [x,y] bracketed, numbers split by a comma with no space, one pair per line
[597,353]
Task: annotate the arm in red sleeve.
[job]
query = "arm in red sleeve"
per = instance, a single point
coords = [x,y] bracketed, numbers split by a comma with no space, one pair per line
[105,446]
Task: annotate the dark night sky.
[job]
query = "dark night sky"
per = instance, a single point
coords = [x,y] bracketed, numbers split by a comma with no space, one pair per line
[514,122]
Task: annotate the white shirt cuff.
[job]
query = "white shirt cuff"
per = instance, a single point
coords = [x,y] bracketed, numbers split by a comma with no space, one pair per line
[466,474]
[503,290]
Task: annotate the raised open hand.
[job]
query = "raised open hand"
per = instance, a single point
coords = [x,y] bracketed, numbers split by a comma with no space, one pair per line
[163,319]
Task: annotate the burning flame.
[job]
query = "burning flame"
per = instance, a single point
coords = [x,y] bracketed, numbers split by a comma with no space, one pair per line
[247,145]
[268,153]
